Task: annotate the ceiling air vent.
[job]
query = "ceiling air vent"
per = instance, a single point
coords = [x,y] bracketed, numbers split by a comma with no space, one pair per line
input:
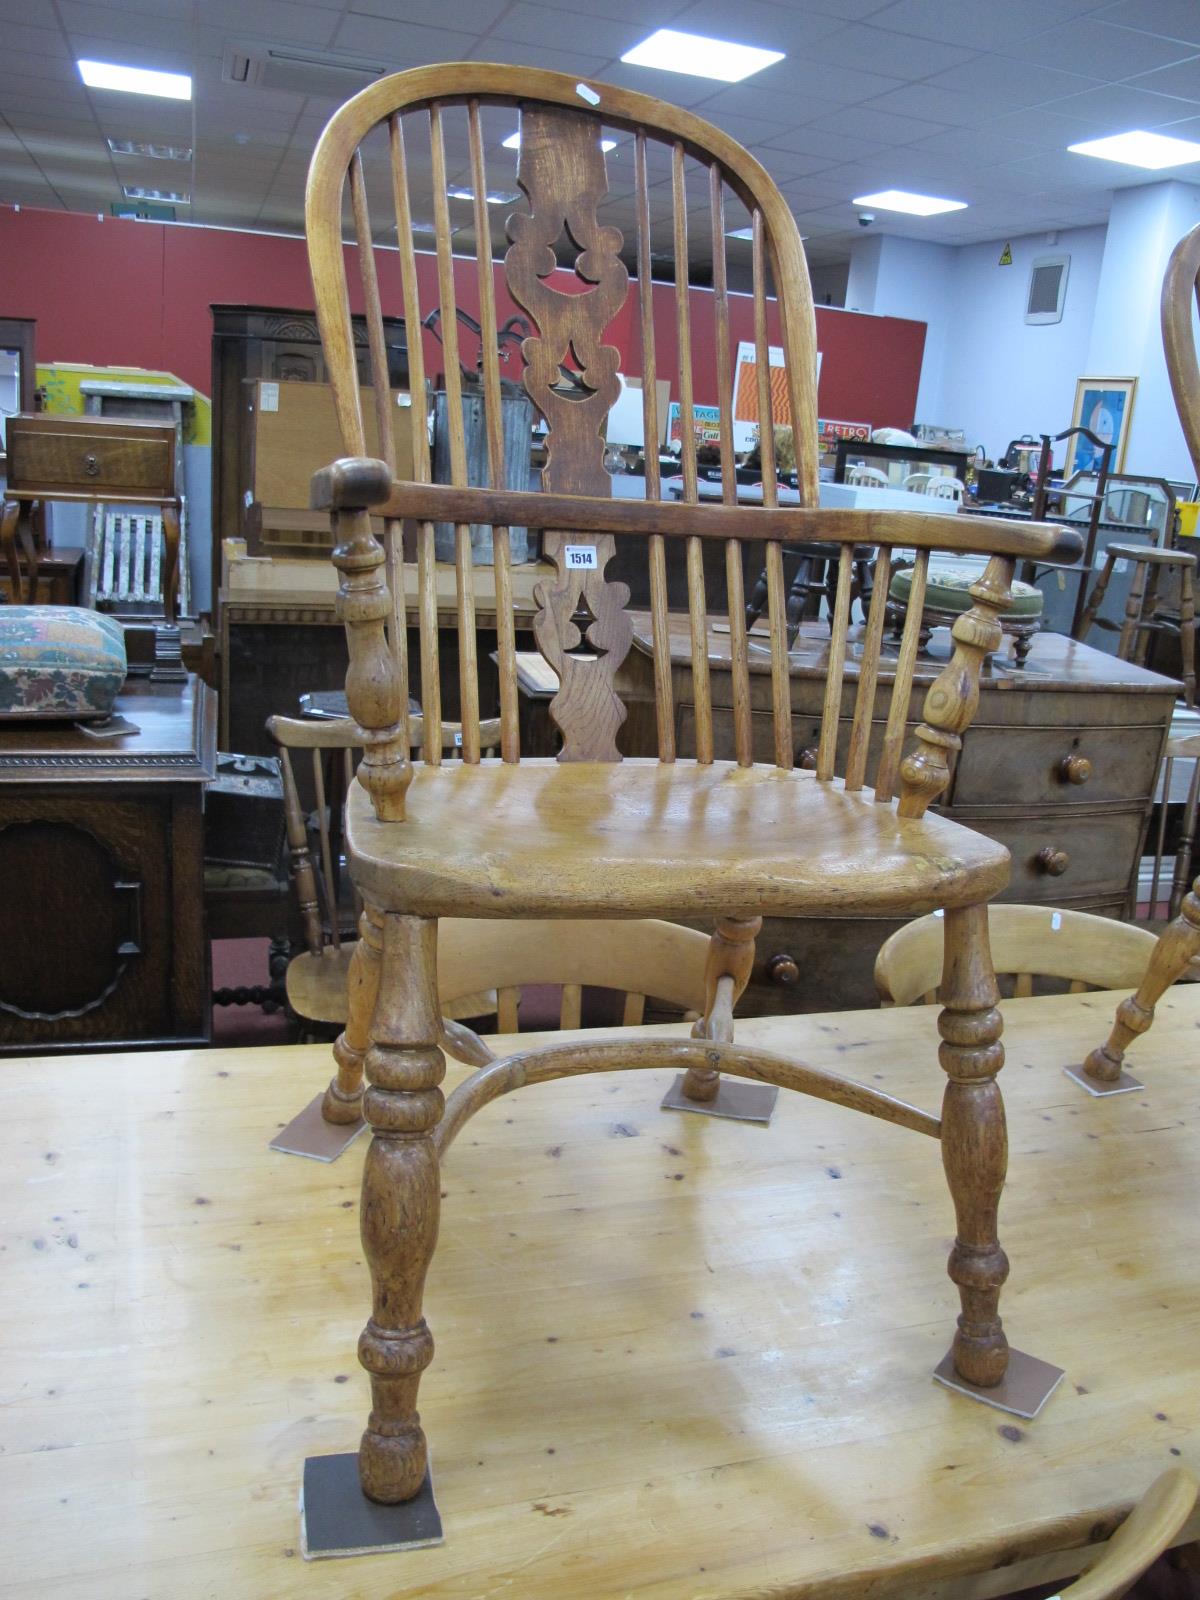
[1047,288]
[296,71]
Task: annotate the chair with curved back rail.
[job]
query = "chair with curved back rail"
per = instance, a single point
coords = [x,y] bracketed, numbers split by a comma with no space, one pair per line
[1180,942]
[590,834]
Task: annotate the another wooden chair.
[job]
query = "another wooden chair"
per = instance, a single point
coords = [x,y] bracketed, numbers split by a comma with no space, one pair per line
[1180,943]
[917,482]
[482,966]
[1027,942]
[590,836]
[1141,607]
[942,486]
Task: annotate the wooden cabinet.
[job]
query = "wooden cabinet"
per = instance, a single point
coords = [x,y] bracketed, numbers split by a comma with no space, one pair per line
[101,859]
[1059,765]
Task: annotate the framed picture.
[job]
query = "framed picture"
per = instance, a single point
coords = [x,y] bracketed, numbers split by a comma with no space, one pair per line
[1105,405]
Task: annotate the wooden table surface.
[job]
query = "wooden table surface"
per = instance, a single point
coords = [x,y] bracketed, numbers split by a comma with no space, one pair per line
[675,1357]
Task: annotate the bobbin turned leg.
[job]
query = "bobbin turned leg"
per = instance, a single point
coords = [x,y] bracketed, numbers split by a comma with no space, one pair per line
[974,1142]
[1177,947]
[343,1098]
[400,1200]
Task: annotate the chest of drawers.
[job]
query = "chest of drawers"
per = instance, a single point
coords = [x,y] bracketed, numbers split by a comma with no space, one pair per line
[1059,765]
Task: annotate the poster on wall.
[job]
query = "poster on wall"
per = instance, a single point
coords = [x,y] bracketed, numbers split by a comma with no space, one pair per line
[1105,407]
[706,422]
[745,392]
[829,432]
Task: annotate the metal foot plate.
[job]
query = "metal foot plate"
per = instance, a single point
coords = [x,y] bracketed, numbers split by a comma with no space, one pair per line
[1023,1390]
[337,1519]
[736,1099]
[308,1134]
[1125,1084]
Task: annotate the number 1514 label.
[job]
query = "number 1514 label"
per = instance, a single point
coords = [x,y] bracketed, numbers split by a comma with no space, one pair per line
[580,555]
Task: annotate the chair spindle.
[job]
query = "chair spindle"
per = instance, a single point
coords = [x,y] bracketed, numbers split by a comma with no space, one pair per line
[893,737]
[493,409]
[838,629]
[868,673]
[781,687]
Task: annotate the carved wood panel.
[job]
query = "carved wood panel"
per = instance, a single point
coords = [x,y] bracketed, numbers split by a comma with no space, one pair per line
[571,376]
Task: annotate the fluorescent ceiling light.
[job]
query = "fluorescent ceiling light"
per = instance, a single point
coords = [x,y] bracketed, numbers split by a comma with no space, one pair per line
[156,152]
[740,233]
[498,197]
[513,142]
[692,53]
[1154,151]
[136,80]
[916,205]
[174,196]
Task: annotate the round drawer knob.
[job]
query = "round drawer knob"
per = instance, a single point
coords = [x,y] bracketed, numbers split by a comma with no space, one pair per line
[1074,769]
[783,969]
[1053,861]
[91,466]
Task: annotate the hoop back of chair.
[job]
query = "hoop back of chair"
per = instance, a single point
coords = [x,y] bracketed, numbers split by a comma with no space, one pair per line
[1181,285]
[426,129]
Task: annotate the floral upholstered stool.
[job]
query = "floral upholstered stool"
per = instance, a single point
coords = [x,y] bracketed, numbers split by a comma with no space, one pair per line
[59,662]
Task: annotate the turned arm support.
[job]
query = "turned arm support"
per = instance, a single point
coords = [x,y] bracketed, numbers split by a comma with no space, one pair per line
[376,693]
[953,697]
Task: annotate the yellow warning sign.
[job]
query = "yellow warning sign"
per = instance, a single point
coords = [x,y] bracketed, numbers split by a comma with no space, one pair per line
[1006,256]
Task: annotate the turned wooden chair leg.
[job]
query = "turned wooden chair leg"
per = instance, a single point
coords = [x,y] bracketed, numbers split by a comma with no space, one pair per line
[343,1098]
[1169,961]
[1187,634]
[10,511]
[1127,643]
[400,1202]
[974,1142]
[726,974]
[1092,610]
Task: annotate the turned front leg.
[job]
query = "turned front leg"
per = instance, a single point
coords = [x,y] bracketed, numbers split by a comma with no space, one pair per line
[726,974]
[343,1098]
[1169,960]
[400,1201]
[974,1142]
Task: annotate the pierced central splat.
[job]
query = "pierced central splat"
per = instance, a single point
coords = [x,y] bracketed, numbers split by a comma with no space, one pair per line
[571,375]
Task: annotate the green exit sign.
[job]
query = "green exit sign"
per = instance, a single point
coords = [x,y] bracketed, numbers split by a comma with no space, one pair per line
[144,210]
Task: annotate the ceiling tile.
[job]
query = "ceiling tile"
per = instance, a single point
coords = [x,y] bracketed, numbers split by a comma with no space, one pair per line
[770,26]
[865,122]
[1182,79]
[553,60]
[1172,19]
[534,24]
[121,27]
[34,41]
[935,105]
[389,41]
[889,53]
[980,23]
[464,16]
[1098,50]
[1012,84]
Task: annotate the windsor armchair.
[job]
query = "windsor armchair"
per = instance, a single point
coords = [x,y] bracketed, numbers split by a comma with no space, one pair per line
[1026,942]
[1180,942]
[590,835]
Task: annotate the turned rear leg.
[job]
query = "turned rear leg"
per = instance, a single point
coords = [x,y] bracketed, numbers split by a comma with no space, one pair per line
[726,974]
[1177,947]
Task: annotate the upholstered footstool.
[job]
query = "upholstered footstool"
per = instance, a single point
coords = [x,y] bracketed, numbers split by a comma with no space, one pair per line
[948,595]
[59,662]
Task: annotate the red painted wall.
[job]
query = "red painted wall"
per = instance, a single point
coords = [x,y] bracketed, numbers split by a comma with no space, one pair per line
[113,291]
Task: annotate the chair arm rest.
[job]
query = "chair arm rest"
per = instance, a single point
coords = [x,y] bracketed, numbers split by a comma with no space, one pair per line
[354,483]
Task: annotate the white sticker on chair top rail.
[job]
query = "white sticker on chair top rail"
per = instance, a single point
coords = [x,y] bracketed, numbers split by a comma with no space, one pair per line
[576,556]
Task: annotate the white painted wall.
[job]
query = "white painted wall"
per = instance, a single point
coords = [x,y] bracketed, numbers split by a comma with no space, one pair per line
[1002,377]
